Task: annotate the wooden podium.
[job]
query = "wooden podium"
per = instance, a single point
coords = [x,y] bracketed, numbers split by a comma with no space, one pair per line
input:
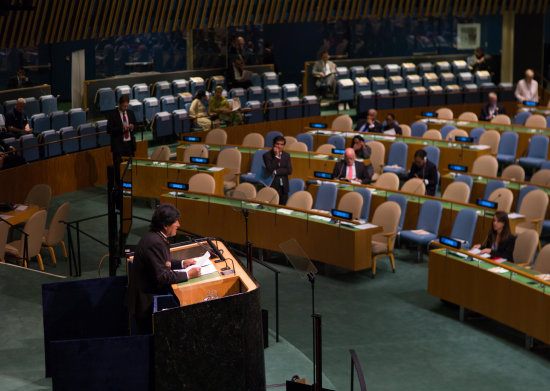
[215,344]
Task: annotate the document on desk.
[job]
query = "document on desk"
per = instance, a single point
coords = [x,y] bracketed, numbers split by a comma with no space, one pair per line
[215,169]
[21,207]
[498,269]
[204,263]
[515,216]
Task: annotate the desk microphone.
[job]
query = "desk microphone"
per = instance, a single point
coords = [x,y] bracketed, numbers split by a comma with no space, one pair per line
[218,253]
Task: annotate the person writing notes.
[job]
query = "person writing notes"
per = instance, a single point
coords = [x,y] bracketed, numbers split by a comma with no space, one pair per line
[352,170]
[500,241]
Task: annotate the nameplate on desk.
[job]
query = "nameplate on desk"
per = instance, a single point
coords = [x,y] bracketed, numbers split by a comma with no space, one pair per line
[457,167]
[431,114]
[323,175]
[529,103]
[338,151]
[342,214]
[192,139]
[178,186]
[195,159]
[486,203]
[318,125]
[126,185]
[450,242]
[464,139]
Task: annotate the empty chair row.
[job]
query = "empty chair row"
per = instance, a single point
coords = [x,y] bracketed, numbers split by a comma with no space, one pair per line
[58,119]
[52,143]
[407,68]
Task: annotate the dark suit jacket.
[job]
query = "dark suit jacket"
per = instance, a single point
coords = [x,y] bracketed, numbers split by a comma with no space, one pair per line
[114,128]
[283,167]
[13,83]
[505,249]
[232,82]
[150,275]
[377,126]
[362,172]
[485,116]
[427,171]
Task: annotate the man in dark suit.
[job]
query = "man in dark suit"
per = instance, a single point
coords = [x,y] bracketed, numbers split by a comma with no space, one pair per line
[352,170]
[277,162]
[121,124]
[153,271]
[424,169]
[491,109]
[369,124]
[19,81]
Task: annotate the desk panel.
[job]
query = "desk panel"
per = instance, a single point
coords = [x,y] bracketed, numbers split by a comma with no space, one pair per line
[414,204]
[509,299]
[331,243]
[149,178]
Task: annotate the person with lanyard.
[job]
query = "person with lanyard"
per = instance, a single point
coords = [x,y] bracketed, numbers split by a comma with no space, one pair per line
[500,242]
[153,270]
[352,170]
[199,110]
[219,105]
[121,124]
[369,124]
[17,123]
[277,163]
[422,168]
[492,109]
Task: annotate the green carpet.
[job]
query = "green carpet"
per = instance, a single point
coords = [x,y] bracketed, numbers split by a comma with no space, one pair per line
[405,339]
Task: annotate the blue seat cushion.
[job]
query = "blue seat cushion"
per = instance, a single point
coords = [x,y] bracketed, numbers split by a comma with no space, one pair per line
[417,238]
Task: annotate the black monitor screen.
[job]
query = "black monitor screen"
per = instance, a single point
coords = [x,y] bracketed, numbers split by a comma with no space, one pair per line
[323,175]
[194,159]
[178,186]
[342,214]
[191,138]
[449,242]
[457,167]
[487,204]
[318,125]
[431,114]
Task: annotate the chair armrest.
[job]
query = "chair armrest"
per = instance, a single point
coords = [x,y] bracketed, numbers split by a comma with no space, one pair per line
[389,236]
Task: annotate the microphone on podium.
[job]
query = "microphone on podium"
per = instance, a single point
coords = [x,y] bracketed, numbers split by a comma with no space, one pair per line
[226,269]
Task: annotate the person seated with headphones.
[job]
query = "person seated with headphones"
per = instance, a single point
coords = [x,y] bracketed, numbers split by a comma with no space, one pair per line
[354,171]
[424,169]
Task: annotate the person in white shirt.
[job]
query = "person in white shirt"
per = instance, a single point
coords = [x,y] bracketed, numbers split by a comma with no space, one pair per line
[527,88]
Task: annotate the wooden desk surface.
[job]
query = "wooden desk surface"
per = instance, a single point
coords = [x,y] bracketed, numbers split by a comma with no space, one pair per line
[480,182]
[524,133]
[450,152]
[20,216]
[414,204]
[514,300]
[195,290]
[303,163]
[150,178]
[335,244]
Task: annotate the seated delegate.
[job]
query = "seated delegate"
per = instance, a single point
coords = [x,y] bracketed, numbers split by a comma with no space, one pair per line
[500,242]
[352,170]
[422,168]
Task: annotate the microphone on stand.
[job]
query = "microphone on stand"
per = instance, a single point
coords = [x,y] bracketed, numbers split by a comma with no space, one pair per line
[226,269]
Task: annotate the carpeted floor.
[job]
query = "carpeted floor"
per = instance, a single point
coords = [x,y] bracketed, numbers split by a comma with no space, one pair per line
[405,339]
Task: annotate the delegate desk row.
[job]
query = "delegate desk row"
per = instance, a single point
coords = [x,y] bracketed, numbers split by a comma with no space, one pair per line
[524,133]
[414,204]
[329,240]
[505,292]
[450,152]
[304,164]
[480,183]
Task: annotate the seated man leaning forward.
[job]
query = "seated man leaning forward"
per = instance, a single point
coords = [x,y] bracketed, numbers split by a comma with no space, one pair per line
[352,170]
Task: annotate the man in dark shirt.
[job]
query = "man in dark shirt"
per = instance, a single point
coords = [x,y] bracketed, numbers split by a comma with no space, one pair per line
[121,124]
[369,124]
[492,109]
[424,169]
[352,170]
[16,120]
[277,162]
[391,126]
[153,271]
